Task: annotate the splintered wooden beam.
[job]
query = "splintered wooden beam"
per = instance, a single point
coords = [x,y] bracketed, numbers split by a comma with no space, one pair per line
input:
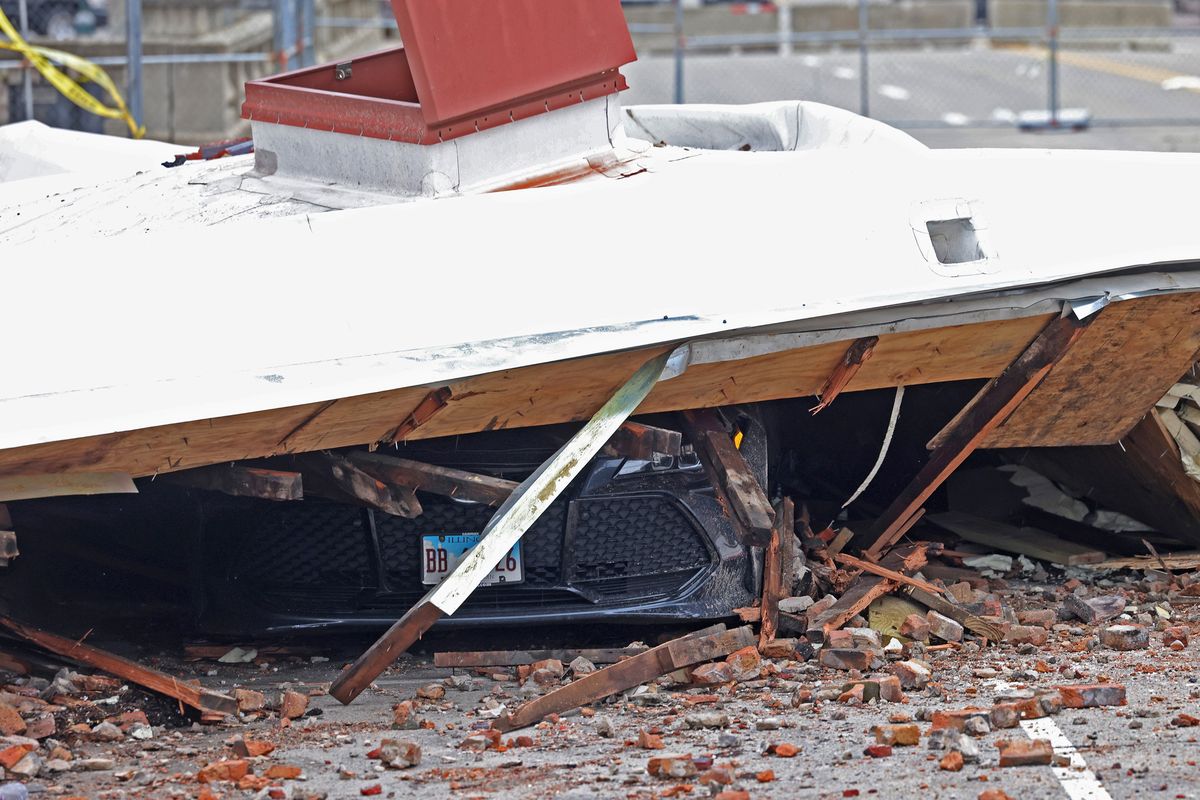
[856,355]
[677,654]
[203,700]
[445,481]
[507,526]
[335,477]
[990,407]
[64,484]
[774,587]
[884,572]
[731,476]
[240,481]
[867,588]
[512,658]
[641,442]
[433,402]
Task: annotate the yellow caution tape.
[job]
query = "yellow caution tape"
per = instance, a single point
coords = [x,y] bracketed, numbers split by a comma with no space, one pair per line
[42,57]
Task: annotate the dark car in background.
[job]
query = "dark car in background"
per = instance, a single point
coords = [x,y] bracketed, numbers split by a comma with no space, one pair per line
[59,20]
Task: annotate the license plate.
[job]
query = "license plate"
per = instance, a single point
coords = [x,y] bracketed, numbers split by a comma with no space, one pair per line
[441,554]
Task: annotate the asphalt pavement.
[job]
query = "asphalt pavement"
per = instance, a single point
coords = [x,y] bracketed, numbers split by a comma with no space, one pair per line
[966,96]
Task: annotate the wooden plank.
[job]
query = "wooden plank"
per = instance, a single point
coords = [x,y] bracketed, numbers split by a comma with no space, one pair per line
[963,435]
[867,588]
[856,355]
[642,442]
[619,677]
[240,481]
[731,475]
[1026,541]
[1175,562]
[536,395]
[68,484]
[430,405]
[840,541]
[333,476]
[445,481]
[1142,476]
[774,589]
[503,531]
[887,614]
[1118,369]
[199,698]
[960,615]
[512,658]
[884,572]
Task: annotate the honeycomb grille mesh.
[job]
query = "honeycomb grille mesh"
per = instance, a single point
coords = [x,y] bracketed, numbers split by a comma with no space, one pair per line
[631,537]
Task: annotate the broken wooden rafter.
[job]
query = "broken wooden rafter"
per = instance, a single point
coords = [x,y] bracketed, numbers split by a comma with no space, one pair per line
[512,658]
[64,484]
[855,356]
[506,527]
[884,572]
[867,588]
[683,652]
[333,476]
[960,615]
[203,700]
[1011,539]
[432,403]
[964,434]
[774,588]
[241,481]
[445,481]
[642,442]
[734,482]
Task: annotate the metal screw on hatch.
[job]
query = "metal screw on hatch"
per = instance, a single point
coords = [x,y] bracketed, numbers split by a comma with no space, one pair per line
[343,71]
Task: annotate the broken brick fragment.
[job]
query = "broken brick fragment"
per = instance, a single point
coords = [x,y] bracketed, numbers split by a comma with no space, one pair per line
[252,748]
[1035,635]
[956,720]
[9,756]
[1185,721]
[890,689]
[732,794]
[1125,637]
[712,674]
[993,794]
[671,766]
[745,663]
[1176,633]
[11,723]
[715,775]
[372,790]
[878,750]
[912,674]
[1092,695]
[784,750]
[1025,752]
[951,762]
[779,648]
[845,659]
[249,700]
[283,772]
[293,705]
[766,776]
[223,771]
[1095,610]
[915,627]
[1042,617]
[943,627]
[432,691]
[649,741]
[402,717]
[900,735]
[400,754]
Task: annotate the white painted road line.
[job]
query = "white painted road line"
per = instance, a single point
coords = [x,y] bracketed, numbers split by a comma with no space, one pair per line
[894,92]
[1079,782]
[845,73]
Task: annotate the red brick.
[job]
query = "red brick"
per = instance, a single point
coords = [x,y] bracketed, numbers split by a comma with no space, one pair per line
[1025,752]
[1092,695]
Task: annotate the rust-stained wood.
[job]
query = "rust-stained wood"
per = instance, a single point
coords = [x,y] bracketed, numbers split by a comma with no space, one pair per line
[631,672]
[433,403]
[731,476]
[30,487]
[512,658]
[867,588]
[240,481]
[963,435]
[536,395]
[856,355]
[431,478]
[774,588]
[1142,476]
[335,477]
[642,442]
[884,572]
[1120,367]
[193,695]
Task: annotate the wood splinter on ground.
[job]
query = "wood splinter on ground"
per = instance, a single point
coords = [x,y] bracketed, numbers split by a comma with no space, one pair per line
[209,703]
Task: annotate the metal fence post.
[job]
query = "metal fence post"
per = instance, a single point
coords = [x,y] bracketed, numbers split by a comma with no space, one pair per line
[133,68]
[285,33]
[864,82]
[680,43]
[308,22]
[785,28]
[1052,35]
[26,71]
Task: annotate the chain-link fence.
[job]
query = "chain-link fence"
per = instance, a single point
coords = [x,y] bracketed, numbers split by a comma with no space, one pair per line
[913,63]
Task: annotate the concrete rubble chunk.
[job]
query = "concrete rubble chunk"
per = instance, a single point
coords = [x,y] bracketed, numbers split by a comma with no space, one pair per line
[943,627]
[713,719]
[1025,752]
[581,666]
[745,663]
[1095,610]
[1092,695]
[796,605]
[107,732]
[399,753]
[1125,637]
